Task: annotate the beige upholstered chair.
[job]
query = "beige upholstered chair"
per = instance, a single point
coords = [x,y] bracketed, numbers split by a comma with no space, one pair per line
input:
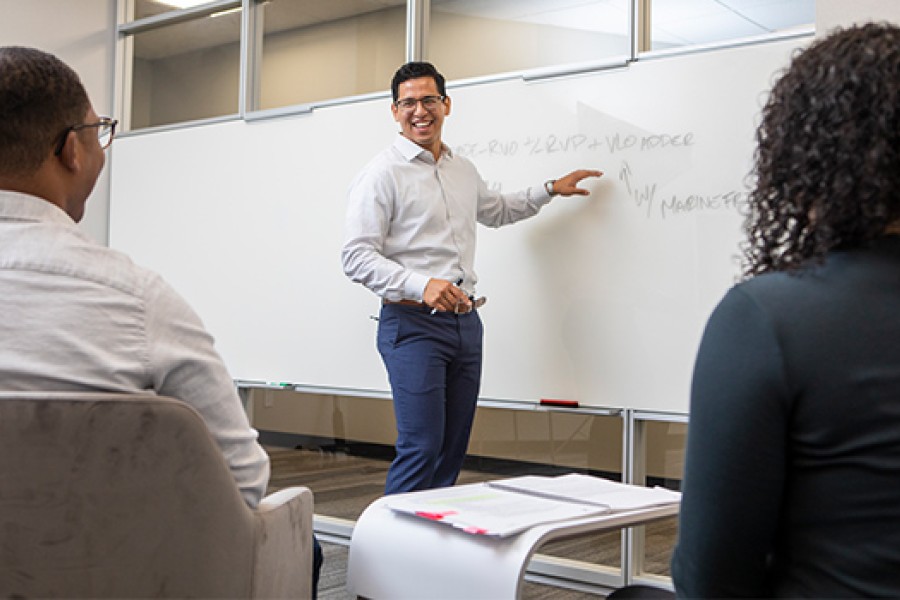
[128,496]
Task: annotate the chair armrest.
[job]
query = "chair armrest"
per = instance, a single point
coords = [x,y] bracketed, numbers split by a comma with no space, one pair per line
[275,500]
[283,556]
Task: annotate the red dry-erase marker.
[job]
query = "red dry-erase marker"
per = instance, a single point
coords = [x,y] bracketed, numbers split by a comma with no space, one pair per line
[558,402]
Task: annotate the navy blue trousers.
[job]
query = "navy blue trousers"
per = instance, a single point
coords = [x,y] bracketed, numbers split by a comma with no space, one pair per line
[434,367]
[318,559]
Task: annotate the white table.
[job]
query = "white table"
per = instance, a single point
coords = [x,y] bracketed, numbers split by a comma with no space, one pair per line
[395,556]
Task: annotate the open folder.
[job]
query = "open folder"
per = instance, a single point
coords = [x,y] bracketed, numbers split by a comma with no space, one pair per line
[508,506]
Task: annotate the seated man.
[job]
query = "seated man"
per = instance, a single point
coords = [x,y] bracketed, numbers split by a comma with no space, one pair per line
[78,316]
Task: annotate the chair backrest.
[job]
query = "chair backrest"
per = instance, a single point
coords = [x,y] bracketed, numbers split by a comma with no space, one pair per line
[117,495]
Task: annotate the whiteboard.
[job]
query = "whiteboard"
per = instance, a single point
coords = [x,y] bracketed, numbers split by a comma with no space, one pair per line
[600,299]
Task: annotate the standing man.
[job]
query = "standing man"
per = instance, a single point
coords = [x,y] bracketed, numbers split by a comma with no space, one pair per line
[411,232]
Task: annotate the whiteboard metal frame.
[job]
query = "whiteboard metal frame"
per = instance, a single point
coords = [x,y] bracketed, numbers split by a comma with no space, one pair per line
[246,386]
[798,33]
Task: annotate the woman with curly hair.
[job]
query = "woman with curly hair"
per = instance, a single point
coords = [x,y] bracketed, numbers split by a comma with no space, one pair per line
[792,476]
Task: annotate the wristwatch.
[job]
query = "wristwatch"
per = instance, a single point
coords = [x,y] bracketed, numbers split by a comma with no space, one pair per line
[548,185]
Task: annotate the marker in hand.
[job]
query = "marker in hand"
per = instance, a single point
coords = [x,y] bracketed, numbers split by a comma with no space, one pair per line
[457,284]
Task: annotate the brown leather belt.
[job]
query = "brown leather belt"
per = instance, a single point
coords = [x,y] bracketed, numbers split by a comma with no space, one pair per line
[461,310]
[405,303]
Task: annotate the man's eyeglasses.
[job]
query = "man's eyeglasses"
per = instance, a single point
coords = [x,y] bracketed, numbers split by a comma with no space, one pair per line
[106,130]
[429,102]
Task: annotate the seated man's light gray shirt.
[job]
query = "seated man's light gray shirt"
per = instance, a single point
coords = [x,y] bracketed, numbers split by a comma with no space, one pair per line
[77,316]
[411,218]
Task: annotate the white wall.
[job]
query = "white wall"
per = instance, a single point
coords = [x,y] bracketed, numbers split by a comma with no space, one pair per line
[831,13]
[81,33]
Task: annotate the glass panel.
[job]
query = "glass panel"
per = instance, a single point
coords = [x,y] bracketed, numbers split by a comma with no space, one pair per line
[149,8]
[186,71]
[690,22]
[504,443]
[472,38]
[665,445]
[323,49]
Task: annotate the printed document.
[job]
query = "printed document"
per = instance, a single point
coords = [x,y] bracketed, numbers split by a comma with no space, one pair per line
[508,506]
[587,489]
[486,510]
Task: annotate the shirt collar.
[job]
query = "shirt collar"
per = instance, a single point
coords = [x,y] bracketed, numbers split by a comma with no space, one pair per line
[25,207]
[410,150]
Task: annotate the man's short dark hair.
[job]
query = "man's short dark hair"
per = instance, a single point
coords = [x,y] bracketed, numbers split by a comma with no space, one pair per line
[40,96]
[414,70]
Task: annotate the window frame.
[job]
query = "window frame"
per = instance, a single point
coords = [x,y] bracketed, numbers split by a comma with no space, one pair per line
[417,30]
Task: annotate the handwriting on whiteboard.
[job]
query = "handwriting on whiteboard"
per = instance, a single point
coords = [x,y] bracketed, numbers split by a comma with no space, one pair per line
[646,197]
[579,142]
[644,192]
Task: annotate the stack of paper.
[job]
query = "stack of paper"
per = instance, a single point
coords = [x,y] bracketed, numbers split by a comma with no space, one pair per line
[586,489]
[508,506]
[486,510]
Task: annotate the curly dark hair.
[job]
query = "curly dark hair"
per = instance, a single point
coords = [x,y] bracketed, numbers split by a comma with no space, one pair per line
[827,164]
[40,96]
[414,70]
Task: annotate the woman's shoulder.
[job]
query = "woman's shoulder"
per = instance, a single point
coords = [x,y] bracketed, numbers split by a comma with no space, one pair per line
[776,285]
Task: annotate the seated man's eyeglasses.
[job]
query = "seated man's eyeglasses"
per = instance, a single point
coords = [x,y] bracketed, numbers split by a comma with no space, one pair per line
[106,130]
[428,102]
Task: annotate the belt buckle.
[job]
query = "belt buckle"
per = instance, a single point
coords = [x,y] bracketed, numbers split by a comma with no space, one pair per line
[462,309]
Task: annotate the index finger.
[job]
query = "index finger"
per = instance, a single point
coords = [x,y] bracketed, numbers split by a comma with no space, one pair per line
[589,173]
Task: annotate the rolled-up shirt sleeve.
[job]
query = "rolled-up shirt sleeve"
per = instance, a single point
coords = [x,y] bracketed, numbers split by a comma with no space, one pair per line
[370,205]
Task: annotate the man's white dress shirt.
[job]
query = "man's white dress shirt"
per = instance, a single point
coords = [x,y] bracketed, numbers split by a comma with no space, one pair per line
[411,218]
[77,316]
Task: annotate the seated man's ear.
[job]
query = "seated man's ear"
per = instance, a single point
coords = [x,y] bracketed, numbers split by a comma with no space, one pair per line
[69,151]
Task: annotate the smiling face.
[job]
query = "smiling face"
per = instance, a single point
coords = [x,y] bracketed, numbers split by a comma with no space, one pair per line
[419,124]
